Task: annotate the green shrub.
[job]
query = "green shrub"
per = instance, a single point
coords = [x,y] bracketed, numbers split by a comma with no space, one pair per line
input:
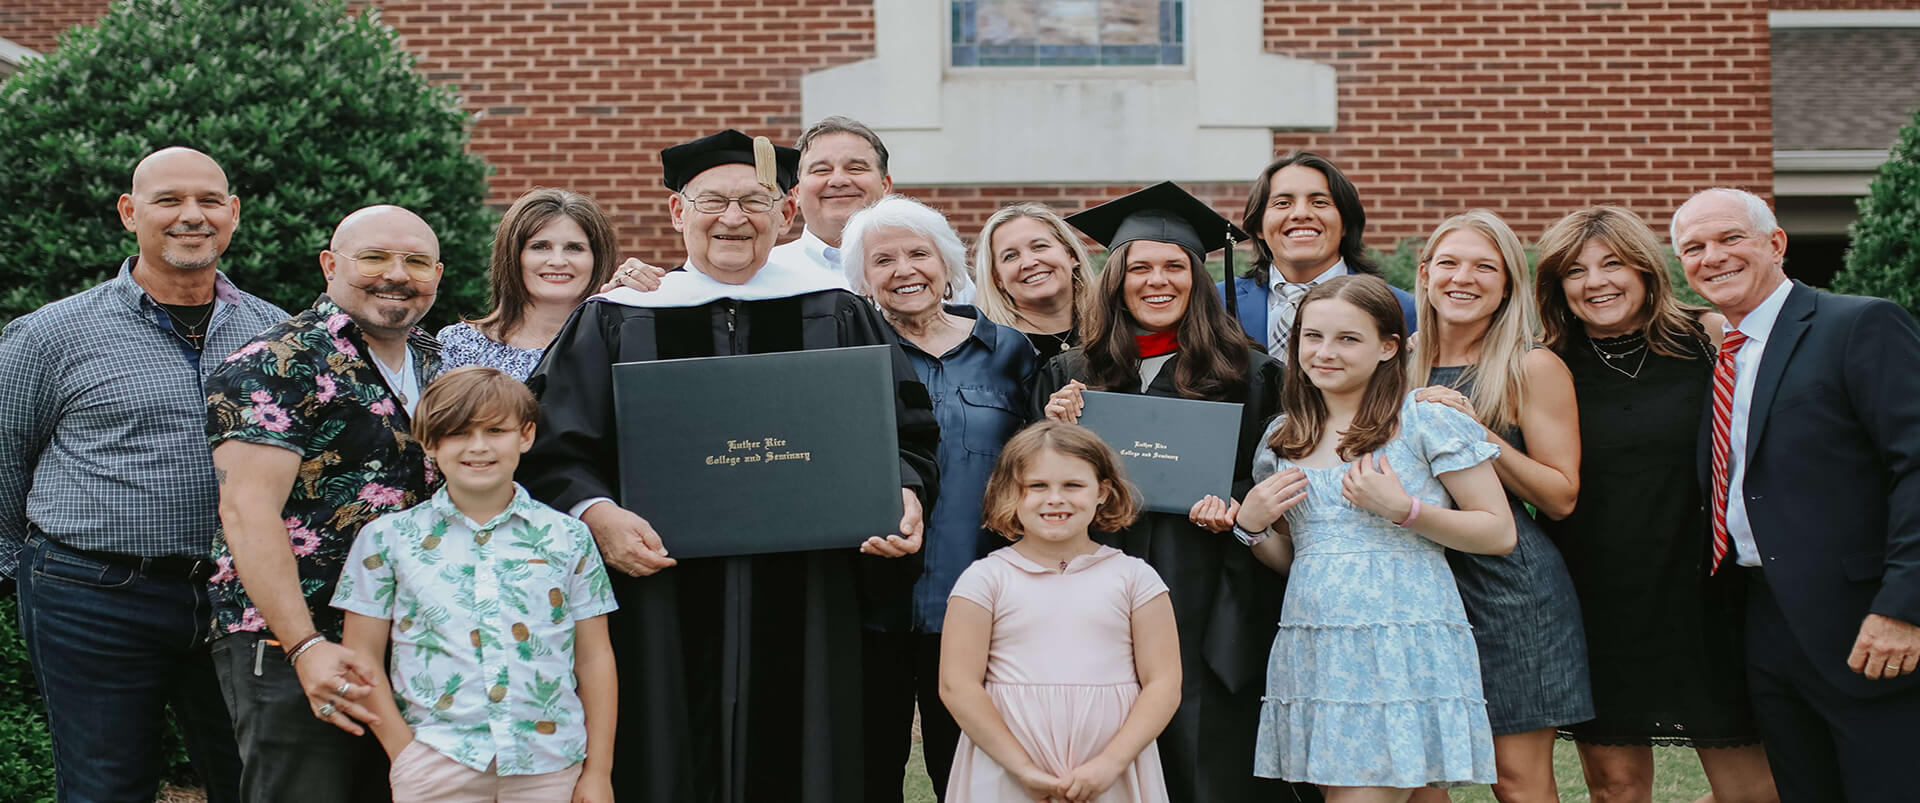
[26,767]
[313,113]
[1885,258]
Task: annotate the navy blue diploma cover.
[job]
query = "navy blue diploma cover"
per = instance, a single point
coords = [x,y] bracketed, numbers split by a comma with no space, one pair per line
[1175,450]
[761,453]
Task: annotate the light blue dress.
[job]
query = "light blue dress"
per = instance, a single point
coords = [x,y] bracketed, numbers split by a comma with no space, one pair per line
[1373,679]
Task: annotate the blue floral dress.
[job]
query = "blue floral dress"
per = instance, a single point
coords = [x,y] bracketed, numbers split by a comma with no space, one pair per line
[1373,679]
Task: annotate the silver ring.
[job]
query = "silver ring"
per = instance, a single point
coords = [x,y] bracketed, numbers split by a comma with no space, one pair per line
[1894,667]
[344,686]
[326,710]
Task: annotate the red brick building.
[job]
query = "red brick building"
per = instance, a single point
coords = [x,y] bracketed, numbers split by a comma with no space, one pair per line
[1432,106]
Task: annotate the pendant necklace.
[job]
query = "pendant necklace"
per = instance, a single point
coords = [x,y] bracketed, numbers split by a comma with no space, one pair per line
[1609,359]
[190,331]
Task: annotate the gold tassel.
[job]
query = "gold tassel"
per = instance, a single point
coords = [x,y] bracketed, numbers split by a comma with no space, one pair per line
[765,164]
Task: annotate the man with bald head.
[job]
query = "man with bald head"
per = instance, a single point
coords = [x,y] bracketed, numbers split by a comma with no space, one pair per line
[107,498]
[309,425]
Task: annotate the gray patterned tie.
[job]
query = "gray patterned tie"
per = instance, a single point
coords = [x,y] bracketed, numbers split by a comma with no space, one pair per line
[1280,323]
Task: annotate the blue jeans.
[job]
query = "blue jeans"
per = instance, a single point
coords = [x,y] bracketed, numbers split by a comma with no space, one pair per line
[112,649]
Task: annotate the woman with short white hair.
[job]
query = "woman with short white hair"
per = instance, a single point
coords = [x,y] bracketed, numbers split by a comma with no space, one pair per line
[907,259]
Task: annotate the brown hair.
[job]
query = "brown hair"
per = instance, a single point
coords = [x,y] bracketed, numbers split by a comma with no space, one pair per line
[844,125]
[1346,201]
[1378,418]
[1001,504]
[468,396]
[1213,347]
[532,212]
[1672,327]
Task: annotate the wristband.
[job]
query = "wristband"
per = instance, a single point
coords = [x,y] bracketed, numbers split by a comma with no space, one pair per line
[305,644]
[1249,537]
[1411,514]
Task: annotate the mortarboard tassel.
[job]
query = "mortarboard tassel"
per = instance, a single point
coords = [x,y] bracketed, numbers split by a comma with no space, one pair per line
[1226,287]
[765,165]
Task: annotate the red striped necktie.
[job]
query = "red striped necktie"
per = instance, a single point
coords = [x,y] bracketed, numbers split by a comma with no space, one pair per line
[1724,373]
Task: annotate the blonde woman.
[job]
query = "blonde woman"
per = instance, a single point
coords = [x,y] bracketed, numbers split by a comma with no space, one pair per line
[1033,275]
[1479,353]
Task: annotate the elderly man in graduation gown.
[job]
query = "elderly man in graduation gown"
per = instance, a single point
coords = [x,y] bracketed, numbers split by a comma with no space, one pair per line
[740,676]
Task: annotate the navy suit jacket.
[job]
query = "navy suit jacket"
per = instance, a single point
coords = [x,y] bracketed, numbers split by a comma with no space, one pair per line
[1833,473]
[1252,297]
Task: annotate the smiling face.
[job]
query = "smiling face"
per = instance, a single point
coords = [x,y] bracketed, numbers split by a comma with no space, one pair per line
[1340,346]
[839,175]
[480,460]
[1157,285]
[557,263]
[1604,292]
[179,210]
[1301,226]
[1033,268]
[1465,278]
[1059,496]
[1727,260]
[731,245]
[904,272]
[384,306]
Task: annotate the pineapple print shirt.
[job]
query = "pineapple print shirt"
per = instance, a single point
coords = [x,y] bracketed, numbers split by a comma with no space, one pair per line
[482,627]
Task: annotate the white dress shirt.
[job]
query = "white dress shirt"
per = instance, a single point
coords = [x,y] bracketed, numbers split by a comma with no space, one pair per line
[1757,326]
[1276,299]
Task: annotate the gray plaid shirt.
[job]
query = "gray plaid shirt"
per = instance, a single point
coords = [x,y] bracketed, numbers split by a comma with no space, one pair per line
[103,421]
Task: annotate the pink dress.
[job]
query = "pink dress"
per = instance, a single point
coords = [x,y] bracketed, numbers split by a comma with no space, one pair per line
[1059,668]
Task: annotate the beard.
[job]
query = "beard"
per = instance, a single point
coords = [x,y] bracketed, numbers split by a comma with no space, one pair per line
[184,259]
[388,320]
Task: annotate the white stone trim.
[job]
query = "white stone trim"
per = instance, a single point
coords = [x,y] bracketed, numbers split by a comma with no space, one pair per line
[1825,173]
[15,54]
[1209,120]
[1843,19]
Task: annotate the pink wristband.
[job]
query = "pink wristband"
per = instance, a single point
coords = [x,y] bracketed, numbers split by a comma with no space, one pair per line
[1411,514]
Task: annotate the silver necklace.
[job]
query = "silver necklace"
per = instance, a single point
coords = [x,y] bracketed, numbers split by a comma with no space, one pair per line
[1608,358]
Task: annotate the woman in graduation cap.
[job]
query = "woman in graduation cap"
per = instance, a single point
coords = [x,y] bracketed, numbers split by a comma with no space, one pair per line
[1155,326]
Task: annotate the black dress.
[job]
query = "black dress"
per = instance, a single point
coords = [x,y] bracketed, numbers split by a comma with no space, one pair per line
[1662,637]
[740,677]
[1226,606]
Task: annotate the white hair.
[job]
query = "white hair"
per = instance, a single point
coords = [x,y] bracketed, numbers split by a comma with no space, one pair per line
[1759,215]
[901,212]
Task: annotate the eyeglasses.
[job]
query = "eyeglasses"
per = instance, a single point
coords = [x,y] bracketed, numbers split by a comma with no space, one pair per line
[716,204]
[372,262]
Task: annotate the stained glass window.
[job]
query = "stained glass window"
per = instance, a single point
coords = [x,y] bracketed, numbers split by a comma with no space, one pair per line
[1064,33]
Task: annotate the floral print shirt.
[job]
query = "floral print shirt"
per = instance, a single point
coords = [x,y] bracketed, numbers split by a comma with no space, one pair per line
[483,626]
[307,384]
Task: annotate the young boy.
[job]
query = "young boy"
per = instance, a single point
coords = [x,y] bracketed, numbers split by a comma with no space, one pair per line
[495,604]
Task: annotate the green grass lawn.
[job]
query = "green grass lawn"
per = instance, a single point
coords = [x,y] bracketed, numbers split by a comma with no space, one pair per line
[1676,778]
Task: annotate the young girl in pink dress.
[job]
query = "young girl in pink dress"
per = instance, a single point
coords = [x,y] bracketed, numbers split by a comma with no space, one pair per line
[1058,657]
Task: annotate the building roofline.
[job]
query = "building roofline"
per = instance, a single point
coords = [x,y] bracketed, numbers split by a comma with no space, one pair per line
[1844,19]
[15,54]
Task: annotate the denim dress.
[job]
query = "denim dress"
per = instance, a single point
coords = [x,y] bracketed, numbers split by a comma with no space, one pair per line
[1526,618]
[979,391]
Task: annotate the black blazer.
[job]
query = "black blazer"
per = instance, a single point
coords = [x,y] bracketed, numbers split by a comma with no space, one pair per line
[1833,473]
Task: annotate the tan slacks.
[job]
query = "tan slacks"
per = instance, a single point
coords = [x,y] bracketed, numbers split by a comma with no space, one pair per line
[421,774]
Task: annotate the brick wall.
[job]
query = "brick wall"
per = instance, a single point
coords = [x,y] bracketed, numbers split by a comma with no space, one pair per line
[1528,108]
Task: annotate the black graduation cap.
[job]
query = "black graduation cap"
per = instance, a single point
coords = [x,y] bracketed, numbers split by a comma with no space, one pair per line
[776,164]
[1168,214]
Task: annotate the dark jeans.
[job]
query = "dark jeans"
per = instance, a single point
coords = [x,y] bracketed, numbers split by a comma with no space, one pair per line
[291,756]
[112,649]
[896,667]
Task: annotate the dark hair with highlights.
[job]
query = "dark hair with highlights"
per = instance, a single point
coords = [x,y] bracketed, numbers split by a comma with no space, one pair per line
[1000,508]
[1346,201]
[469,396]
[1378,418]
[528,215]
[1213,347]
[1672,327]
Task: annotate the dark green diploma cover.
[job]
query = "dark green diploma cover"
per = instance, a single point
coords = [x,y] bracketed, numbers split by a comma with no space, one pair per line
[761,453]
[1175,450]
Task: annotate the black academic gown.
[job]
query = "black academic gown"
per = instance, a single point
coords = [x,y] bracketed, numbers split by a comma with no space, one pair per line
[1225,604]
[739,677]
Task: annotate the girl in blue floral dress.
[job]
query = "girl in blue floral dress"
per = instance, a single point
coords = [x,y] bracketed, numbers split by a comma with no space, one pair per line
[1373,684]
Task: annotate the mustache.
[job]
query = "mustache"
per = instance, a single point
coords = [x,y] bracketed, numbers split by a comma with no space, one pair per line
[191,228]
[391,288]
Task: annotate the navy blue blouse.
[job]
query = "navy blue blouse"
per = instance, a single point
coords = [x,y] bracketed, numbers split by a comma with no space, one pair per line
[979,391]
